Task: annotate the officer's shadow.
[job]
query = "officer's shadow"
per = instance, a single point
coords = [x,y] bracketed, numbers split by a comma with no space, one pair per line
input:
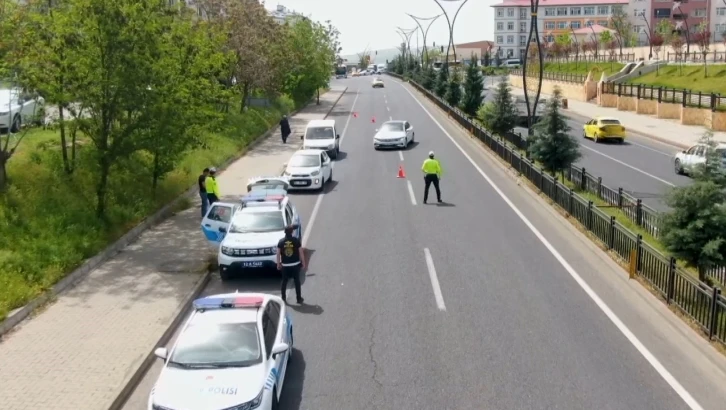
[444,204]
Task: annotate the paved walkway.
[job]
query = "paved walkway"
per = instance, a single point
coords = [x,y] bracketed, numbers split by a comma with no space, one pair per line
[80,352]
[669,131]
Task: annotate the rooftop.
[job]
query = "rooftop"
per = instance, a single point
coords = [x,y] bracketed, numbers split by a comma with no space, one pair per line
[546,3]
[321,123]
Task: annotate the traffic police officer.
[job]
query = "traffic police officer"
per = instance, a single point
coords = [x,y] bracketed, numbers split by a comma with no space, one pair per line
[432,175]
[212,188]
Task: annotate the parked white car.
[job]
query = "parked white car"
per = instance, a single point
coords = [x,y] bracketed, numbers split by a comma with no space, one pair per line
[686,160]
[309,169]
[18,108]
[322,134]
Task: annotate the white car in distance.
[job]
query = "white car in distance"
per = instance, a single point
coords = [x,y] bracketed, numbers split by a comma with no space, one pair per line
[18,108]
[377,83]
[394,134]
[309,169]
[686,160]
[232,353]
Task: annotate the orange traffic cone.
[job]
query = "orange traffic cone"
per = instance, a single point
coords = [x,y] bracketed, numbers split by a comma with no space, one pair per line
[373,119]
[355,115]
[401,173]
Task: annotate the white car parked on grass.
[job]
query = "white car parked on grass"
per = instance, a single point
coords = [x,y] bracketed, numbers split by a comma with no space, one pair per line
[394,134]
[309,169]
[686,160]
[18,108]
[232,353]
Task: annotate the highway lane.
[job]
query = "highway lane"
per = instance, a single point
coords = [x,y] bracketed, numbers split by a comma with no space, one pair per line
[641,166]
[498,323]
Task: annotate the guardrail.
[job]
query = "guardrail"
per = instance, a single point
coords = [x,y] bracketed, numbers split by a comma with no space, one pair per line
[562,77]
[686,98]
[697,300]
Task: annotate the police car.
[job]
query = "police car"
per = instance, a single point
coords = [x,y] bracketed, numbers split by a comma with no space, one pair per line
[231,354]
[247,233]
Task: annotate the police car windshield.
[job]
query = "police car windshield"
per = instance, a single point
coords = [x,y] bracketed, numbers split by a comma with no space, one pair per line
[218,344]
[392,126]
[245,222]
[305,161]
[319,133]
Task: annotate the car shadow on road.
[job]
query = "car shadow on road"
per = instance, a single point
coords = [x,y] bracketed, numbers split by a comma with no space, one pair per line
[259,280]
[329,187]
[412,145]
[341,156]
[292,390]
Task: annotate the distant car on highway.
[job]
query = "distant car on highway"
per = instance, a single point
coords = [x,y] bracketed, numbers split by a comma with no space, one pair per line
[377,83]
[604,128]
[232,353]
[394,134]
[309,169]
[247,233]
[686,160]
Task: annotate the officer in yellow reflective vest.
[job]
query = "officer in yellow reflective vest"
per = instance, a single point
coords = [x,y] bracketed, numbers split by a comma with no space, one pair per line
[212,187]
[432,175]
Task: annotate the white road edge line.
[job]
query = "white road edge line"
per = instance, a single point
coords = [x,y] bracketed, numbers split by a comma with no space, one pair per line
[629,166]
[662,371]
[316,208]
[400,155]
[411,193]
[434,280]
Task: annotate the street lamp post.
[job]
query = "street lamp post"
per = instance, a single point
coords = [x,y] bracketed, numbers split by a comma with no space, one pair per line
[451,24]
[536,71]
[406,35]
[425,54]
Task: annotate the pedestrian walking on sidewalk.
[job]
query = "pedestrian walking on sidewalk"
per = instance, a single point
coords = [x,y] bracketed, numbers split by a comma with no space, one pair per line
[290,258]
[432,175]
[203,191]
[285,130]
[210,183]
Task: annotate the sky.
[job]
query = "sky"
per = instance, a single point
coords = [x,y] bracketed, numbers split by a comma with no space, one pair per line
[372,24]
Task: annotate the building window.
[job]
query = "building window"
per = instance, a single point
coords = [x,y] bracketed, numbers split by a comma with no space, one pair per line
[638,29]
[500,13]
[523,13]
[720,28]
[574,25]
[522,27]
[500,39]
[561,25]
[589,23]
[522,40]
[510,26]
[603,10]
[561,11]
[588,11]
[638,13]
[662,13]
[510,53]
[575,11]
[500,26]
[603,23]
[550,25]
[510,39]
[721,11]
[699,13]
[510,12]
[550,38]
[550,11]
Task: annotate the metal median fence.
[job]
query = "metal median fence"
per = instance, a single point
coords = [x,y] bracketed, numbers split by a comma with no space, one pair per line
[702,303]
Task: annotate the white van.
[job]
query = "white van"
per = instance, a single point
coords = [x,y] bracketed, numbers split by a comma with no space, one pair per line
[512,63]
[322,134]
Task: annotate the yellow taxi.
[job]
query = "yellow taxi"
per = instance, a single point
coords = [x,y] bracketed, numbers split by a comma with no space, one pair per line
[604,128]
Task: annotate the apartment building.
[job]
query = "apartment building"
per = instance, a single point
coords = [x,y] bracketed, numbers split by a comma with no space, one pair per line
[717,17]
[282,14]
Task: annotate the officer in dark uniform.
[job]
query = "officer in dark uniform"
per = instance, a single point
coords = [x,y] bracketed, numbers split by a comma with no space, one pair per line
[290,258]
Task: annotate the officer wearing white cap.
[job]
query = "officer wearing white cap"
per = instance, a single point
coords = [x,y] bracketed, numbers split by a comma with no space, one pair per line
[432,175]
[212,187]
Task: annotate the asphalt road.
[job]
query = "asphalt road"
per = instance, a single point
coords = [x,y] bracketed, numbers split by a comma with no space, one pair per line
[642,166]
[479,303]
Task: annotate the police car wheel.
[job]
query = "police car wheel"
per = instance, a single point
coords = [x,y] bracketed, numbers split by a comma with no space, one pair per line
[274,405]
[224,273]
[331,176]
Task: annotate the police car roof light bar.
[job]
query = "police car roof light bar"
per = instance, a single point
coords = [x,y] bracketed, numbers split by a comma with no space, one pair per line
[228,303]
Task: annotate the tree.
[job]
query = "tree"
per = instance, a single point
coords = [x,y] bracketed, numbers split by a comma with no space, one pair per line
[497,59]
[453,92]
[500,115]
[429,78]
[702,38]
[694,229]
[473,88]
[442,82]
[620,22]
[310,49]
[605,38]
[656,42]
[487,59]
[552,145]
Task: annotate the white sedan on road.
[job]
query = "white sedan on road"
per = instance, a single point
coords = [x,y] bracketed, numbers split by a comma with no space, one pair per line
[232,353]
[309,169]
[685,161]
[377,83]
[394,134]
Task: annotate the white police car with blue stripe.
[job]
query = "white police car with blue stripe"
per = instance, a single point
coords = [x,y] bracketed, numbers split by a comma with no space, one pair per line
[232,354]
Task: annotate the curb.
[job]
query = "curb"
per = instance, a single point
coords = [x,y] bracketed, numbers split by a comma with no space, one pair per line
[141,371]
[20,314]
[131,385]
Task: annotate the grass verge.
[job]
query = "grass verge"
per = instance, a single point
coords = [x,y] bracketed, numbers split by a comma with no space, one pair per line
[47,220]
[689,77]
[583,67]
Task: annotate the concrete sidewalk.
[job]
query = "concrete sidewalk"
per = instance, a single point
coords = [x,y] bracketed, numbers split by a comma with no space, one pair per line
[81,351]
[668,131]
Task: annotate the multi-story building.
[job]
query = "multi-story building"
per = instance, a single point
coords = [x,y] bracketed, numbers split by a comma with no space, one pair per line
[283,15]
[717,17]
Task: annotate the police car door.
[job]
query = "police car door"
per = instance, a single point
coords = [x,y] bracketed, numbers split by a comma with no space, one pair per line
[282,336]
[293,218]
[270,325]
[216,222]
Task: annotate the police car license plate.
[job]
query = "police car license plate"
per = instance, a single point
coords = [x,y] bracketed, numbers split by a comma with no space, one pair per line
[254,264]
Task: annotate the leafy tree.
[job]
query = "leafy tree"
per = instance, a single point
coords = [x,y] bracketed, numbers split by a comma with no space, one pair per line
[694,230]
[499,116]
[473,89]
[497,59]
[552,145]
[487,59]
[309,47]
[702,38]
[453,91]
[429,78]
[620,22]
[442,82]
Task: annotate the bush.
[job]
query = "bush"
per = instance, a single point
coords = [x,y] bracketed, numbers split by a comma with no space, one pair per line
[48,225]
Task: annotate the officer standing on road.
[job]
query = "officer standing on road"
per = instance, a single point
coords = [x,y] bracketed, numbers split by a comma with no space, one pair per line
[290,258]
[432,175]
[212,188]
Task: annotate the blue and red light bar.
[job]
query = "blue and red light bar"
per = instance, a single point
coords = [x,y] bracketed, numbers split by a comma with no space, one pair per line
[263,195]
[214,302]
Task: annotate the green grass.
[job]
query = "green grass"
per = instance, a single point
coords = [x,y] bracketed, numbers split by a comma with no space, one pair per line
[689,77]
[47,221]
[583,67]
